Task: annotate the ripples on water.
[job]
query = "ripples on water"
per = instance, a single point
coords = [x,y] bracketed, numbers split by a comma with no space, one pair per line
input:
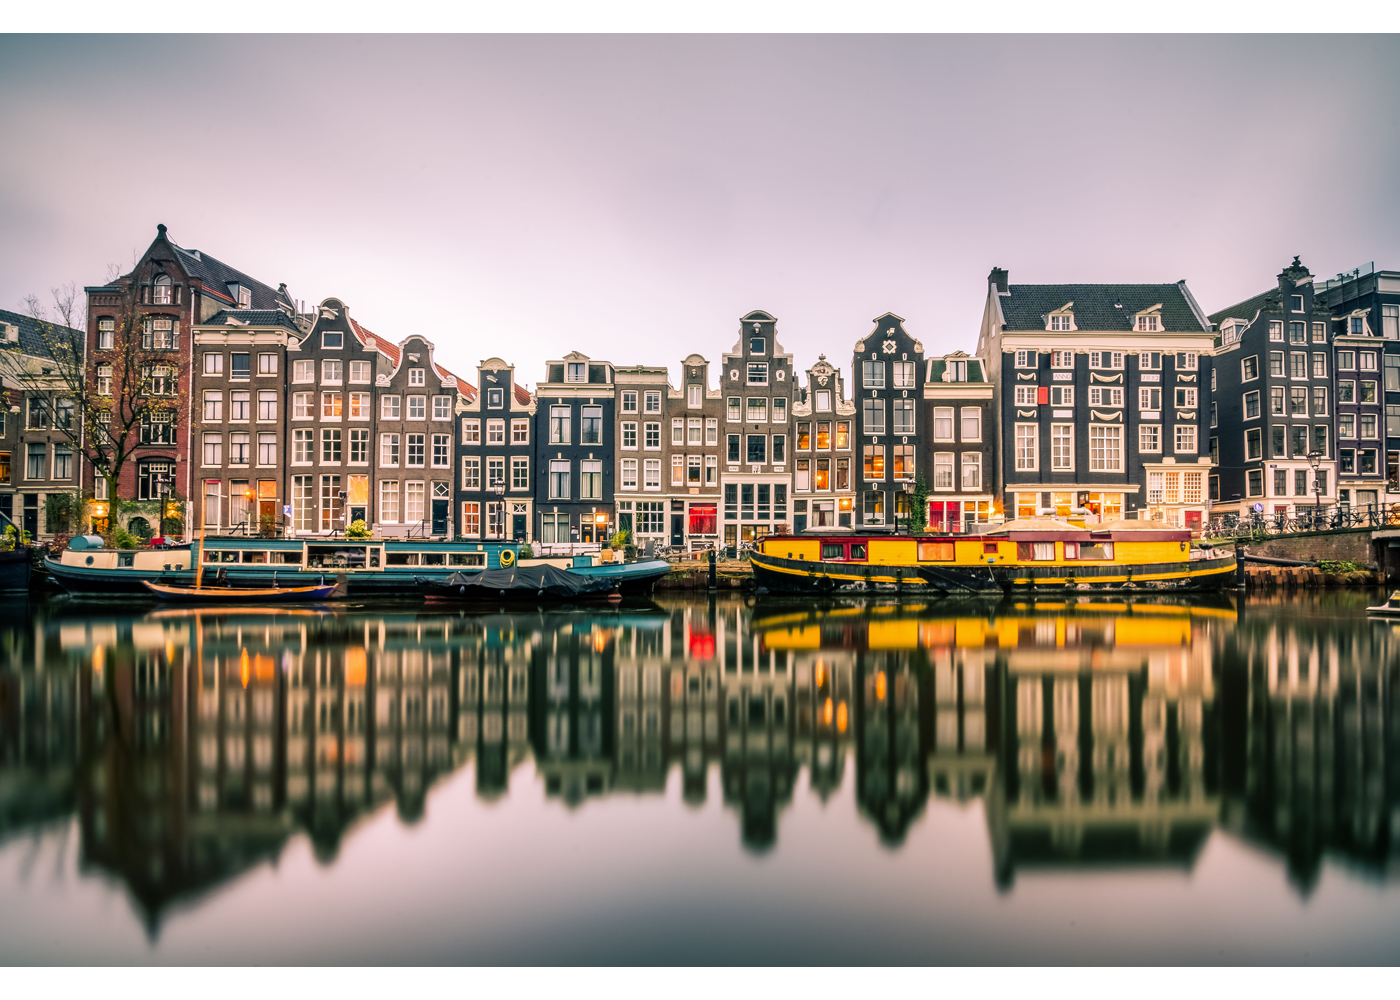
[698,782]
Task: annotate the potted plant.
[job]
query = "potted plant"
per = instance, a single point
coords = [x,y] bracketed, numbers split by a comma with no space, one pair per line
[358,530]
[619,542]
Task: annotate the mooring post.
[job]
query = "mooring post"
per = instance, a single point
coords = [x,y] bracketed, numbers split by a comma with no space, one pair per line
[1239,566]
[712,582]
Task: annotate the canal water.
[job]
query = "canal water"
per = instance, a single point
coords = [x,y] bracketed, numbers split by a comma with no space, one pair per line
[731,782]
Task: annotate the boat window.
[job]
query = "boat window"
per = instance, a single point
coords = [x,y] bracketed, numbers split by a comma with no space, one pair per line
[335,556]
[126,558]
[833,550]
[1035,551]
[935,551]
[857,550]
[989,548]
[255,557]
[434,559]
[220,556]
[286,558]
[374,558]
[1099,550]
[403,559]
[467,559]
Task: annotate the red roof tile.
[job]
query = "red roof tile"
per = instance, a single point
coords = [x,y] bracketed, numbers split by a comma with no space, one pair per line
[391,351]
[463,386]
[522,395]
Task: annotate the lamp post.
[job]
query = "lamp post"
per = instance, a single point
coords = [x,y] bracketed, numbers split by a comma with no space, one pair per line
[1315,460]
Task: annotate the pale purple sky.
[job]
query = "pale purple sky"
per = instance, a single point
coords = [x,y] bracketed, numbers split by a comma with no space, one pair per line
[631,197]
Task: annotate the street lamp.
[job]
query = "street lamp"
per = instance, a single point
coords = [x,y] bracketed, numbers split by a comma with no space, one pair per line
[1315,460]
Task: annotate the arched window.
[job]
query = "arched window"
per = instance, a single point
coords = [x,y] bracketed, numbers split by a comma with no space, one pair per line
[153,479]
[139,527]
[161,294]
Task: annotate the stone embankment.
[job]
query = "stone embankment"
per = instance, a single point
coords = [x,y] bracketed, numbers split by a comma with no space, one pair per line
[693,575]
[1275,578]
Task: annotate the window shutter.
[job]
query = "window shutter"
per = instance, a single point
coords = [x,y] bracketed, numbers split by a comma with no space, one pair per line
[1042,394]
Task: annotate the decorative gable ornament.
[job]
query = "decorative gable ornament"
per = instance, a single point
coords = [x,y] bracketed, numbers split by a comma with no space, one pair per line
[888,346]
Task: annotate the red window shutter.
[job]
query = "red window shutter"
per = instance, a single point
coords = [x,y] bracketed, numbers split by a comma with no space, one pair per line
[1042,394]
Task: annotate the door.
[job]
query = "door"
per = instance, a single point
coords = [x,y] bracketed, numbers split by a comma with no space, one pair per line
[267,516]
[677,530]
[31,514]
[439,516]
[517,527]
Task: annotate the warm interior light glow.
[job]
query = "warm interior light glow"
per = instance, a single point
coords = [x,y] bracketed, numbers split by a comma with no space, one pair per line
[820,674]
[827,710]
[356,669]
[841,719]
[243,667]
[880,685]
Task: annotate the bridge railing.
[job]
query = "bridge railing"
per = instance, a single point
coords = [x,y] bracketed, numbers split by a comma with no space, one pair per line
[1324,517]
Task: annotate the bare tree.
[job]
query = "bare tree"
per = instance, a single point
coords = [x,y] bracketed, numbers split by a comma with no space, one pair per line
[108,402]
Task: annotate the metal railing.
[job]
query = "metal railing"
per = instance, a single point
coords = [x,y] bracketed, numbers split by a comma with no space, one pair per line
[1306,519]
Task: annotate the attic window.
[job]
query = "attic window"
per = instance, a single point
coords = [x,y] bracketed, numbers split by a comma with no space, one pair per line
[1151,323]
[161,294]
[11,332]
[1062,321]
[416,376]
[1297,303]
[577,371]
[956,371]
[245,297]
[333,339]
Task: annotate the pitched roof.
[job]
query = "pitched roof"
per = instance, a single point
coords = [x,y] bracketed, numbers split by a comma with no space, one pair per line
[463,386]
[251,317]
[367,336]
[1099,307]
[1249,308]
[522,394]
[216,276]
[31,340]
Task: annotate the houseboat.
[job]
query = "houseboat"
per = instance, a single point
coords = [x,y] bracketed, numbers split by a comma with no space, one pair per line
[1027,555]
[375,568]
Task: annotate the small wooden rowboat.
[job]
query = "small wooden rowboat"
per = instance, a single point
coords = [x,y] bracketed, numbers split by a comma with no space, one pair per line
[259,595]
[1390,607]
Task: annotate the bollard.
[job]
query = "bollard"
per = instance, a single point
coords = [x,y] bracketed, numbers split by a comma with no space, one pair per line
[1240,582]
[712,582]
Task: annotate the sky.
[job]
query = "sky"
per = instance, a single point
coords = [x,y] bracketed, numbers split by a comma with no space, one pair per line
[631,197]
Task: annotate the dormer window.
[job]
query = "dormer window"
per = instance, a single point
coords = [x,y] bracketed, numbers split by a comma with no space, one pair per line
[1358,326]
[956,371]
[1062,321]
[416,376]
[576,371]
[1297,303]
[10,333]
[161,294]
[1232,332]
[1150,323]
[245,297]
[333,340]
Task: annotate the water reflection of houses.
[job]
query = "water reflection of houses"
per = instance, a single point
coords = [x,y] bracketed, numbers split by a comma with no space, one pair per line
[1312,734]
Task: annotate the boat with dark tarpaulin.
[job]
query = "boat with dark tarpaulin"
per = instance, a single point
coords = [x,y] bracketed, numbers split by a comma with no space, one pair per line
[531,584]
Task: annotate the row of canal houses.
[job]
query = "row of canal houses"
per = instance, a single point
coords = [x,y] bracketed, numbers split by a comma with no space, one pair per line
[1111,399]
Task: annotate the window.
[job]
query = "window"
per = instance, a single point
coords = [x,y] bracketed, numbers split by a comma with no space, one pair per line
[873,374]
[693,467]
[629,434]
[1346,360]
[1297,333]
[874,462]
[417,407]
[104,380]
[238,449]
[711,470]
[903,374]
[359,371]
[803,473]
[1150,437]
[471,473]
[1297,365]
[652,439]
[590,480]
[160,335]
[1280,482]
[1149,399]
[1346,425]
[161,381]
[1186,398]
[1149,324]
[1319,366]
[417,376]
[330,445]
[629,401]
[62,461]
[757,345]
[106,331]
[359,446]
[37,458]
[694,432]
[629,473]
[1368,467]
[874,415]
[1251,404]
[158,428]
[213,364]
[389,408]
[779,449]
[1276,405]
[1105,448]
[495,432]
[1392,422]
[1025,395]
[942,470]
[1027,447]
[559,430]
[1253,443]
[780,409]
[267,404]
[1062,395]
[1299,435]
[651,469]
[843,435]
[1278,440]
[1105,359]
[1215,454]
[1249,368]
[1185,438]
[1390,322]
[1368,392]
[972,423]
[732,448]
[903,455]
[694,396]
[1214,413]
[756,449]
[1367,360]
[1392,373]
[677,470]
[213,449]
[559,486]
[1254,480]
[1368,425]
[904,418]
[1186,361]
[576,371]
[331,406]
[1026,359]
[1061,447]
[303,441]
[651,519]
[471,431]
[213,405]
[389,501]
[1105,396]
[415,450]
[1320,441]
[1319,401]
[1275,330]
[389,450]
[971,470]
[758,373]
[757,410]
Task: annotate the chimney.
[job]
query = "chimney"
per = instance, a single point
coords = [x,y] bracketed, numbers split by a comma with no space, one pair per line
[998,277]
[160,230]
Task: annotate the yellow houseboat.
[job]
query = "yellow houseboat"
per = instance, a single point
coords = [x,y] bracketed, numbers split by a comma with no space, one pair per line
[1025,555]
